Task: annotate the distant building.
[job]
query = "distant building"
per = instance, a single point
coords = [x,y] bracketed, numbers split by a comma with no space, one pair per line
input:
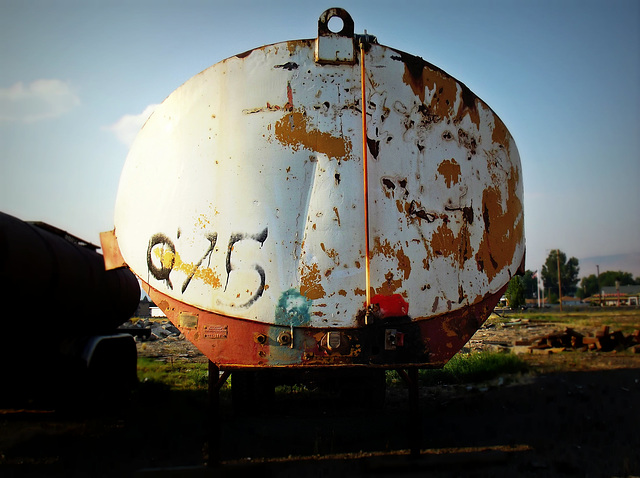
[157,312]
[544,302]
[614,297]
[147,309]
[566,300]
[533,303]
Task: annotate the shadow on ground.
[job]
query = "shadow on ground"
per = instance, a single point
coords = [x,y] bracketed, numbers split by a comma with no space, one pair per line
[565,424]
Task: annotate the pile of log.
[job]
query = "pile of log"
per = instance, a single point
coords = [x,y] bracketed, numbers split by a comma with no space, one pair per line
[604,340]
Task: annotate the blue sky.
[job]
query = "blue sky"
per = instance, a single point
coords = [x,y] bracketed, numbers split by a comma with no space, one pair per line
[78,78]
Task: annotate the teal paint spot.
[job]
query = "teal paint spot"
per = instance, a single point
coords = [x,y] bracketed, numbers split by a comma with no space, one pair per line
[293,309]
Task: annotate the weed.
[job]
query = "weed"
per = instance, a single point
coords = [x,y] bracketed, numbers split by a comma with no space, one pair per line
[474,367]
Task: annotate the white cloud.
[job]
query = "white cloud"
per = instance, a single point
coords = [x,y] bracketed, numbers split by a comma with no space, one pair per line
[128,126]
[38,100]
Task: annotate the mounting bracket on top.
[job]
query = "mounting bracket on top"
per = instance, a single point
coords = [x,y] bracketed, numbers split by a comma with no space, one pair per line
[337,48]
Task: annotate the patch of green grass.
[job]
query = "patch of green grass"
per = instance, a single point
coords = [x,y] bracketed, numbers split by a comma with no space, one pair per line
[173,375]
[474,367]
[462,368]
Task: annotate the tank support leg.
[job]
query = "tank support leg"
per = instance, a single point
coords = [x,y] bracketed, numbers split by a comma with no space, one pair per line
[211,450]
[414,426]
[414,413]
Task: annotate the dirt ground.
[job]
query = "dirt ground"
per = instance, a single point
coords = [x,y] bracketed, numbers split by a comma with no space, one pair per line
[577,414]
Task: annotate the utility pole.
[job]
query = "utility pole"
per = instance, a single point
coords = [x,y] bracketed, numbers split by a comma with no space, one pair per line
[598,279]
[559,280]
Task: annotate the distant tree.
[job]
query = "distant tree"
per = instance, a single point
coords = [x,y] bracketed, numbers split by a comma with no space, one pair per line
[588,286]
[569,270]
[515,293]
[529,285]
[609,278]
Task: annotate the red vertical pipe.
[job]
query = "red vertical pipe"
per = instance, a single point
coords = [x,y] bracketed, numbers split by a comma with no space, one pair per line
[365,174]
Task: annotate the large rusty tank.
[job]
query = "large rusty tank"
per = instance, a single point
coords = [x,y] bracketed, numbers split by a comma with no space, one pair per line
[329,202]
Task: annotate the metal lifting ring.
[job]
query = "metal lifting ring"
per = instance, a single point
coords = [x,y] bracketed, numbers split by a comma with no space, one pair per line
[347,21]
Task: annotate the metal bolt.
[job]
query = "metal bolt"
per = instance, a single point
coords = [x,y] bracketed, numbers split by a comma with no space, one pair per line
[284,338]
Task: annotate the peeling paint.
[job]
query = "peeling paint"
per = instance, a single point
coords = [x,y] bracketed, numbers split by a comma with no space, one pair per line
[447,244]
[332,253]
[504,227]
[450,170]
[311,282]
[445,92]
[501,134]
[293,130]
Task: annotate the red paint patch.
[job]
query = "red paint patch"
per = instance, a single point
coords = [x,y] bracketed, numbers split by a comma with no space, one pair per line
[391,305]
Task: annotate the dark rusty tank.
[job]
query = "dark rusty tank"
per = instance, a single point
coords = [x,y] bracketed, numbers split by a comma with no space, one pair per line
[61,310]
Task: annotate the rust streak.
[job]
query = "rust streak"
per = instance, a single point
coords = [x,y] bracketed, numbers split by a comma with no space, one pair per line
[335,210]
[404,263]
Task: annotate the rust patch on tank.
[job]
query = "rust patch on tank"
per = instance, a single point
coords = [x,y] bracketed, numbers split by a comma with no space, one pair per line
[451,326]
[503,228]
[456,246]
[500,133]
[387,250]
[434,307]
[293,130]
[468,105]
[390,285]
[419,76]
[310,285]
[450,170]
[332,253]
[404,263]
[292,46]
